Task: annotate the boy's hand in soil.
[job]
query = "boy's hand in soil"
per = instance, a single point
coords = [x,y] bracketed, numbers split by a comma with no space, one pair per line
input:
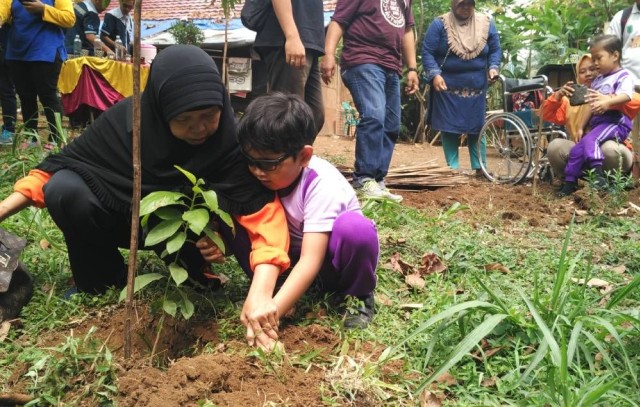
[260,312]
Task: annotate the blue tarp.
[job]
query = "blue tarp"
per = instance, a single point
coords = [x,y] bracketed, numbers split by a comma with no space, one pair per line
[155,27]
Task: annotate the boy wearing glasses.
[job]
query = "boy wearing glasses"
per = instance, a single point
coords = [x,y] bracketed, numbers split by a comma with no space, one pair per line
[331,240]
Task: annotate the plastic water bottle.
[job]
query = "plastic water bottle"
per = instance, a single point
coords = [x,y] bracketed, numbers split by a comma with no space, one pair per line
[119,49]
[97,48]
[77,46]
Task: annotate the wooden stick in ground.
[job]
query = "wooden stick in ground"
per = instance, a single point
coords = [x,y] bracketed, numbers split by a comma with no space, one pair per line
[536,155]
[137,179]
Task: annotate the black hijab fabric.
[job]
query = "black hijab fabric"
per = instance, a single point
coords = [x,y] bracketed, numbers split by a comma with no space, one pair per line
[182,78]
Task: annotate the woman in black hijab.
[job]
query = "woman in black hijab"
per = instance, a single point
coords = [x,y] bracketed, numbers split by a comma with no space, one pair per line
[187,121]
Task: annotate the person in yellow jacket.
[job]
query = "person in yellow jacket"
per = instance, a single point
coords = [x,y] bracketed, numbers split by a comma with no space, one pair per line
[35,53]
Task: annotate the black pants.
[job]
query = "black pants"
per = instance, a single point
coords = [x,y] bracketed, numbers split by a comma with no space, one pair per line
[94,234]
[7,98]
[37,80]
[305,82]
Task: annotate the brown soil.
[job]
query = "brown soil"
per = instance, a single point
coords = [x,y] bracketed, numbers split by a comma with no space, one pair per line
[227,374]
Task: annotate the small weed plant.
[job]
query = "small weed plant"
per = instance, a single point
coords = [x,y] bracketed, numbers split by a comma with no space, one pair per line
[79,369]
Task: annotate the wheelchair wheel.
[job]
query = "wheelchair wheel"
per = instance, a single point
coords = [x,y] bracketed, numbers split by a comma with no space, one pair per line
[544,170]
[507,142]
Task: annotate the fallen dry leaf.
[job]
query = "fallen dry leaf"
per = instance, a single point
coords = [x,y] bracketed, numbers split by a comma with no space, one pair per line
[497,267]
[598,283]
[446,378]
[477,355]
[489,381]
[383,299]
[44,244]
[602,285]
[5,327]
[621,269]
[431,264]
[415,281]
[399,265]
[428,399]
[622,212]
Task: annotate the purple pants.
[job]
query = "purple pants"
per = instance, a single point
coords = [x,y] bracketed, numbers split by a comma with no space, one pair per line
[587,152]
[350,263]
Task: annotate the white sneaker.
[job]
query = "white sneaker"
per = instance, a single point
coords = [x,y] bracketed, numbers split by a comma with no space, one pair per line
[371,190]
[391,196]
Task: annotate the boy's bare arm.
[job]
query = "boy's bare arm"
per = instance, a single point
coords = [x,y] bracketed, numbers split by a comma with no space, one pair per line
[314,248]
[259,312]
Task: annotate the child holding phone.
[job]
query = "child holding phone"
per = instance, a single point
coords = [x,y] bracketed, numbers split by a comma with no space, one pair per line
[612,86]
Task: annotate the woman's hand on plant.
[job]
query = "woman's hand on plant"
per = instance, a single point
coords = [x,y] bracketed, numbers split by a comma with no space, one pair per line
[210,251]
[260,317]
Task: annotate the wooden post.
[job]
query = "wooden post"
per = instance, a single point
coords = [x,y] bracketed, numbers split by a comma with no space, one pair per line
[137,179]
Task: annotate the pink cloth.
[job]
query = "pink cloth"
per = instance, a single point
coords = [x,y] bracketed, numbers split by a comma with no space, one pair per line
[92,90]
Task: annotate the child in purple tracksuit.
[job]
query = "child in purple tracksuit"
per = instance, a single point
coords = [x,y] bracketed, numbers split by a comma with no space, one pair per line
[612,86]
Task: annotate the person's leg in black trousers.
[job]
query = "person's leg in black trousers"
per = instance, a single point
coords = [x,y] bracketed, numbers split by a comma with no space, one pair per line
[7,99]
[45,80]
[304,82]
[92,232]
[21,73]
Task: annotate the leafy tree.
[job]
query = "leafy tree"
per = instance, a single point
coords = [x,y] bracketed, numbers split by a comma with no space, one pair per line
[549,31]
[186,32]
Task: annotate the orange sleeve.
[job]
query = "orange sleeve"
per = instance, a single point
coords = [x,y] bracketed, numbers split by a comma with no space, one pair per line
[630,108]
[31,186]
[269,235]
[555,111]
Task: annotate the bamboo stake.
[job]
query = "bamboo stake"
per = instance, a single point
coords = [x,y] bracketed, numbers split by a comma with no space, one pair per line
[137,179]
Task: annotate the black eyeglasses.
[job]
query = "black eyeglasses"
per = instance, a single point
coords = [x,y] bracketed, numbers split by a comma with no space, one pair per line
[265,165]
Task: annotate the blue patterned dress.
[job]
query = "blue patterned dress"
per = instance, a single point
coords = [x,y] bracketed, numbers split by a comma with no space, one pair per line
[461,108]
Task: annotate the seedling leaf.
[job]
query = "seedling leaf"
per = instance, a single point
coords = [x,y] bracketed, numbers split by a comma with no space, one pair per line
[159,199]
[178,273]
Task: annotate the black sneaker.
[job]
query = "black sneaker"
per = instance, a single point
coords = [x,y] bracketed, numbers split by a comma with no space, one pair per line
[600,183]
[361,317]
[567,189]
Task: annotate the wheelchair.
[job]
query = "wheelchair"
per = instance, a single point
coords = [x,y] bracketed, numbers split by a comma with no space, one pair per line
[514,140]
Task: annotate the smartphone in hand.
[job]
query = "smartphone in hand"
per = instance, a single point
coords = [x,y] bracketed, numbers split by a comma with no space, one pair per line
[578,96]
